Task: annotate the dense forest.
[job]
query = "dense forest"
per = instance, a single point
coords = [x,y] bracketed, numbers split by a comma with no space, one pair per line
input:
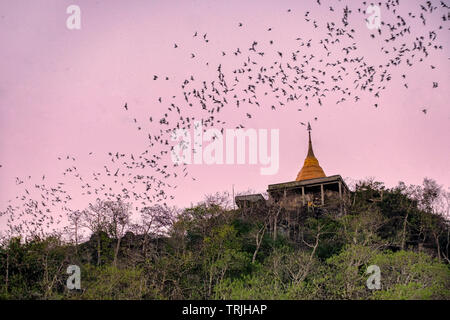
[215,251]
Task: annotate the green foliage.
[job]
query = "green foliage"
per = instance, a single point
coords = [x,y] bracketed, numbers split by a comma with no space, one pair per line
[411,275]
[250,287]
[34,268]
[413,291]
[223,255]
[111,283]
[213,253]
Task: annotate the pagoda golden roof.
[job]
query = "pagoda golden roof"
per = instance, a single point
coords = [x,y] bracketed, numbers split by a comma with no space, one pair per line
[311,168]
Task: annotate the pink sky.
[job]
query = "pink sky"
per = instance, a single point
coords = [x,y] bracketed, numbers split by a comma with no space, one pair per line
[62,91]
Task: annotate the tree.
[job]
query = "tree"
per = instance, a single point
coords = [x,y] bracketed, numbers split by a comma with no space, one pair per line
[411,275]
[95,220]
[155,220]
[221,254]
[118,219]
[75,219]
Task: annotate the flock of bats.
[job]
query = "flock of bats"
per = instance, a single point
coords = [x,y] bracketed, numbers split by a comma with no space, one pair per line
[308,76]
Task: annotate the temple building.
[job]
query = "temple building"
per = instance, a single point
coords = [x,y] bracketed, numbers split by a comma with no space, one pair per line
[311,188]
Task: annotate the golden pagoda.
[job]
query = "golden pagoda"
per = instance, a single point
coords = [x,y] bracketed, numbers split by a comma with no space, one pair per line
[311,168]
[311,189]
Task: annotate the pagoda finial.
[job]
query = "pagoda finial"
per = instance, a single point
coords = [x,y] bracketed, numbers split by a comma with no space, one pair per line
[311,168]
[310,149]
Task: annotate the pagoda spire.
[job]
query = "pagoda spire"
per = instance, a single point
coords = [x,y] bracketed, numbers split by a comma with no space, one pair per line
[310,148]
[311,168]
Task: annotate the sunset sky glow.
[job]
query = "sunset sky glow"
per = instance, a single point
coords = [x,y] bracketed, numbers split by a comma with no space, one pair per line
[62,92]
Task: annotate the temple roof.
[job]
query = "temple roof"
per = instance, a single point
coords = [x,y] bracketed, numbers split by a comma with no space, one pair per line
[307,183]
[311,168]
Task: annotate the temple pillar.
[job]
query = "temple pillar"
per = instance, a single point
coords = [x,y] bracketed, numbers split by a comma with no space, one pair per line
[322,194]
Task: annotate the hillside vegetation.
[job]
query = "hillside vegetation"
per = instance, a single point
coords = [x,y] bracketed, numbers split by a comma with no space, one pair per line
[212,251]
